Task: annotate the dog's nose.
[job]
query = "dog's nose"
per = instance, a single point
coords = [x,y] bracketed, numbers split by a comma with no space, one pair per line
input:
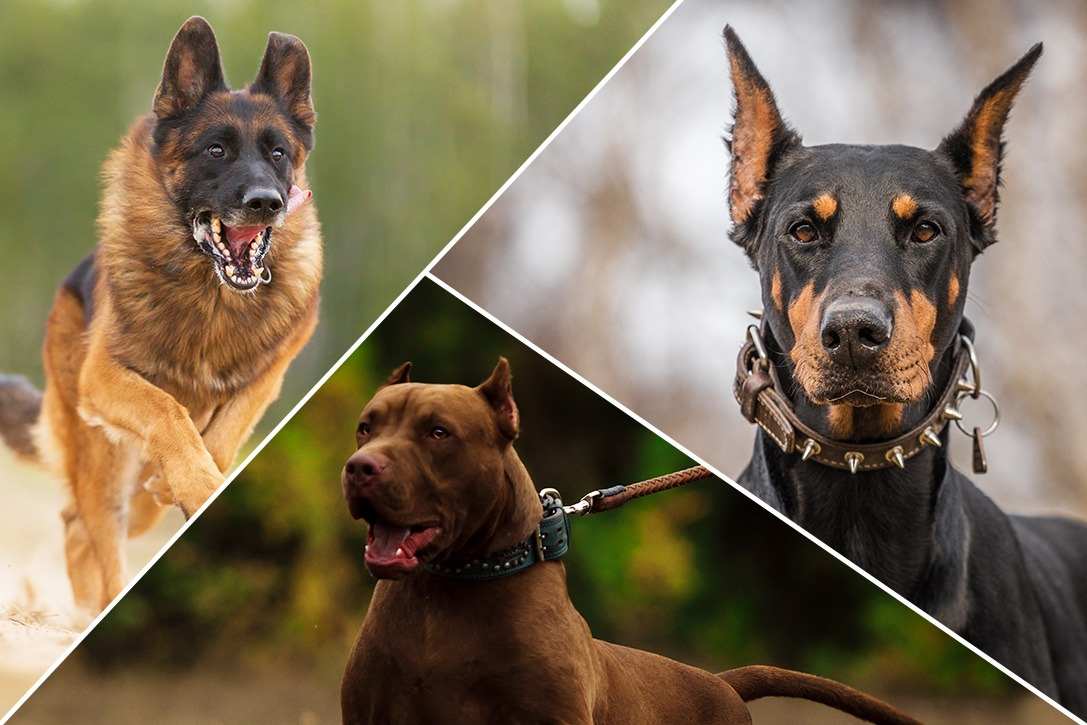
[364,468]
[855,331]
[263,200]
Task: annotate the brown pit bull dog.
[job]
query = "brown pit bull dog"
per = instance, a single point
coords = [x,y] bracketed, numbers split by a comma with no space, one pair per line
[471,621]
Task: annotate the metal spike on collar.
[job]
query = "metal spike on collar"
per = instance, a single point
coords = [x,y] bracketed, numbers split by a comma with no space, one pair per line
[854,460]
[810,449]
[951,413]
[928,437]
[896,456]
[757,314]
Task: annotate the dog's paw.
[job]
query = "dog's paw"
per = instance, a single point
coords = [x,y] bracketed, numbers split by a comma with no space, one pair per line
[190,488]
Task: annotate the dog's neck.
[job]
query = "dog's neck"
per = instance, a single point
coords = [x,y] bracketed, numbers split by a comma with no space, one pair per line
[510,516]
[876,518]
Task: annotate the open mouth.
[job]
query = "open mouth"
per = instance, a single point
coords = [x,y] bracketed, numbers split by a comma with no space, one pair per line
[391,549]
[237,252]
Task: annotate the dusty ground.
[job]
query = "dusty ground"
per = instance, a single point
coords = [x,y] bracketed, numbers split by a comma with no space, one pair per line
[38,620]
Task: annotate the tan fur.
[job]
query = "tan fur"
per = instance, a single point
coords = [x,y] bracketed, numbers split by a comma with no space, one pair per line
[952,291]
[825,206]
[775,289]
[905,362]
[149,405]
[904,206]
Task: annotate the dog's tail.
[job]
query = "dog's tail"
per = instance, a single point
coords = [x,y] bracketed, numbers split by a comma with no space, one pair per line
[758,681]
[20,407]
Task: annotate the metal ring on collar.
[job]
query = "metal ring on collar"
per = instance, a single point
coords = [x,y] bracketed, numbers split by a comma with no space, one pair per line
[996,412]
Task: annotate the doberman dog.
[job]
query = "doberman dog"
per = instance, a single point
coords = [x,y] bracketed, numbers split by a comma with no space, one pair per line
[863,353]
[471,621]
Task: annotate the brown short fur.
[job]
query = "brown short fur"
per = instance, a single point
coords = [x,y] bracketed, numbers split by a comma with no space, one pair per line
[439,459]
[156,370]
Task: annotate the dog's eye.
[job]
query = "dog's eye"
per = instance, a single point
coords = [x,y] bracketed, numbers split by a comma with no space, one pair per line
[363,429]
[925,232]
[216,151]
[438,433]
[803,232]
[277,154]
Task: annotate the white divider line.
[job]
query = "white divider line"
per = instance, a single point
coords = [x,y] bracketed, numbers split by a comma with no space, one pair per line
[343,358]
[751,496]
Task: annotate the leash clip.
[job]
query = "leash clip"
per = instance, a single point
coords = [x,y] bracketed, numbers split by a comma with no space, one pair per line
[585,505]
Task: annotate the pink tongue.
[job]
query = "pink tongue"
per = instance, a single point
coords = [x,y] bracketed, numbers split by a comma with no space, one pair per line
[387,539]
[296,198]
[238,236]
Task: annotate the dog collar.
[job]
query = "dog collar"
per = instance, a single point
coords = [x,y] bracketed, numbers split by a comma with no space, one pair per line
[756,389]
[549,540]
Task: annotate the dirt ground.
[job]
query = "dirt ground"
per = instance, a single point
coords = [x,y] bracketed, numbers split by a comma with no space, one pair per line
[38,620]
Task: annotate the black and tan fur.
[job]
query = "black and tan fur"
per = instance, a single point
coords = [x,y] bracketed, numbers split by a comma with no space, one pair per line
[164,347]
[864,253]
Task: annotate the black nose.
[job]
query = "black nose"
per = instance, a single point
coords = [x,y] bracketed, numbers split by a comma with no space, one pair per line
[855,331]
[263,200]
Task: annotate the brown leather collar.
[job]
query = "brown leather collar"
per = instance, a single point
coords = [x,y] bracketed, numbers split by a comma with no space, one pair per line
[756,389]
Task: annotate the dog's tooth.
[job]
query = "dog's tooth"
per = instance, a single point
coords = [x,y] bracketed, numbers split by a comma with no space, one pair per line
[216,236]
[399,552]
[229,269]
[258,271]
[215,226]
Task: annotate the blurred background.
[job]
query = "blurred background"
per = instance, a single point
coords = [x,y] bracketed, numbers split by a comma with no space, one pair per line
[424,108]
[249,617]
[611,251]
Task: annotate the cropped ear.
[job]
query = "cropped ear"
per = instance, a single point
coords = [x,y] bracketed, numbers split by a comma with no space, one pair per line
[496,389]
[759,136]
[976,147]
[192,70]
[285,75]
[398,376]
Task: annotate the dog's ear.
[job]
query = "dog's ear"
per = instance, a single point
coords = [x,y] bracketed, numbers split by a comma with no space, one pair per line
[496,389]
[975,148]
[758,139]
[285,75]
[398,376]
[192,70]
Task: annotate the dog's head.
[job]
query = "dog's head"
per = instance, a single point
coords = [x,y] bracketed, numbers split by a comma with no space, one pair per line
[864,252]
[434,471]
[232,160]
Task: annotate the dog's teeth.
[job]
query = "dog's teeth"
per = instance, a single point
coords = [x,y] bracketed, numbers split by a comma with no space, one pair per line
[399,552]
[229,269]
[215,226]
[218,239]
[258,271]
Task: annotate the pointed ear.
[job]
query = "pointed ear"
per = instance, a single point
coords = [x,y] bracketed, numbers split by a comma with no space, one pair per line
[759,136]
[398,376]
[192,70]
[496,389]
[285,75]
[975,148]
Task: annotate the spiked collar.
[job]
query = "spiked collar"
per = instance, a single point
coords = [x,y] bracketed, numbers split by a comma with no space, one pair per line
[548,541]
[757,390]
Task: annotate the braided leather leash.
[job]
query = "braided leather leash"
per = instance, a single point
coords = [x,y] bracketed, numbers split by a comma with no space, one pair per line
[606,499]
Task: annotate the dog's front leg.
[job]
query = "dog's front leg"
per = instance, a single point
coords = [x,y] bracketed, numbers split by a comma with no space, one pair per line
[128,407]
[234,421]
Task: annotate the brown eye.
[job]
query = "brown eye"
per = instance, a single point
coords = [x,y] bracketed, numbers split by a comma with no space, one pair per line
[363,430]
[216,151]
[277,154]
[925,232]
[438,433]
[803,232]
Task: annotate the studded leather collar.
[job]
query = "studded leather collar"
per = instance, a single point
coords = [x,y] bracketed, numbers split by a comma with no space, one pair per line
[757,390]
[548,541]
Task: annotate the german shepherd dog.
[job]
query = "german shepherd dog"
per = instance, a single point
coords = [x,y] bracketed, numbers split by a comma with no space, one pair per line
[166,345]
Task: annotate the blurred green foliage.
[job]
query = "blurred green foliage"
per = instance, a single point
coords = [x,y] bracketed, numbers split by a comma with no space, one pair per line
[425,108]
[273,571]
